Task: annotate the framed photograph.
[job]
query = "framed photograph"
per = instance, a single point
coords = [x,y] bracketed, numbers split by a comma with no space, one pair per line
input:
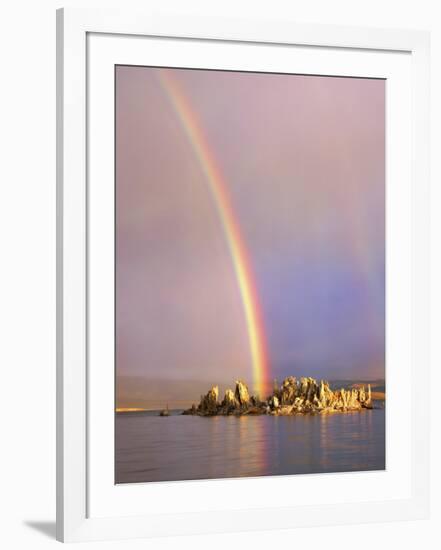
[242,275]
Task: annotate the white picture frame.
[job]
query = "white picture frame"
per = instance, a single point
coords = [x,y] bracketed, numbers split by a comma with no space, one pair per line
[81,517]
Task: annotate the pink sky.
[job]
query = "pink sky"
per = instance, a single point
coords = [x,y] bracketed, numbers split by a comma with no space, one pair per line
[303,158]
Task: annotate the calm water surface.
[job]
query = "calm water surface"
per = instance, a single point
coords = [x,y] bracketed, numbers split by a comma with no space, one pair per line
[151,448]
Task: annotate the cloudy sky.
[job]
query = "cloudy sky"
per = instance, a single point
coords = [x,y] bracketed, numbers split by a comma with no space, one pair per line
[304,163]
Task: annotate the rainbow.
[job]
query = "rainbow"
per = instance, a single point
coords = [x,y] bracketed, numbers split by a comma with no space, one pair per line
[236,246]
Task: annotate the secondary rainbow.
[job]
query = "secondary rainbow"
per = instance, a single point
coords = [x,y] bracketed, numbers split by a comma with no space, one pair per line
[237,249]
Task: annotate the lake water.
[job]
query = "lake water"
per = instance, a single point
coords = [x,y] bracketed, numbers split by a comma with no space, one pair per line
[153,448]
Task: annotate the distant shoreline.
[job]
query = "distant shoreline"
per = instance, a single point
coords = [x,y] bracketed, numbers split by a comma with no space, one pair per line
[378,394]
[131,409]
[178,412]
[128,410]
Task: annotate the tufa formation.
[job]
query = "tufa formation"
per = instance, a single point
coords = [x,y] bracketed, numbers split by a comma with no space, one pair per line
[292,397]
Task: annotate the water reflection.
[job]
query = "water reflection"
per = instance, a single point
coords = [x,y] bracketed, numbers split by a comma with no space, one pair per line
[150,448]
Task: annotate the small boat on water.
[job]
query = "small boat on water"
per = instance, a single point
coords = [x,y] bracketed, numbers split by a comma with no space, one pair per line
[165,412]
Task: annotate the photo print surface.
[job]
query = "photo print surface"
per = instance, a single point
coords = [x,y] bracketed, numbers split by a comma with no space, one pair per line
[250,274]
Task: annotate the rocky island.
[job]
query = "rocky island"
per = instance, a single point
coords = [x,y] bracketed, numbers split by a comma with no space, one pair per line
[303,396]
